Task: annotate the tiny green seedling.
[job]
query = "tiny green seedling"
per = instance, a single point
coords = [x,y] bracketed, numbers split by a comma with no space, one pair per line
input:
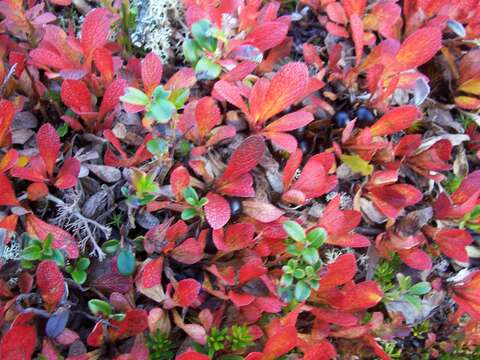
[196,204]
[37,250]
[300,274]
[78,271]
[104,309]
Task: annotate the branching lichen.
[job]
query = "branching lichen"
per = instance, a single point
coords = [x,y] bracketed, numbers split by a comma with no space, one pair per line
[159,26]
[69,217]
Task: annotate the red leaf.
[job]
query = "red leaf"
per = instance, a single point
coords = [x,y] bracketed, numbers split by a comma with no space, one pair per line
[111,96]
[267,35]
[68,175]
[339,272]
[95,338]
[62,2]
[7,111]
[76,96]
[61,239]
[7,195]
[235,237]
[149,279]
[360,296]
[225,90]
[134,323]
[452,242]
[152,71]
[18,343]
[50,283]
[418,48]
[286,88]
[291,121]
[179,180]
[187,292]
[392,199]
[37,191]
[357,35]
[253,269]
[95,32]
[417,259]
[467,294]
[217,211]
[245,157]
[104,63]
[207,115]
[396,120]
[188,252]
[336,13]
[284,340]
[261,211]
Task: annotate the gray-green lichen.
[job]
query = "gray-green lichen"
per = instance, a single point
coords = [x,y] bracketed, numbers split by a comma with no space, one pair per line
[159,26]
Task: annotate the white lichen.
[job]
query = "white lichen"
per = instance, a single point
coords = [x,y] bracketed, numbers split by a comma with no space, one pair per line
[159,26]
[12,251]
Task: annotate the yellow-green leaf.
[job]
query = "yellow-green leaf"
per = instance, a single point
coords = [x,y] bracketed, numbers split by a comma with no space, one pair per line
[357,164]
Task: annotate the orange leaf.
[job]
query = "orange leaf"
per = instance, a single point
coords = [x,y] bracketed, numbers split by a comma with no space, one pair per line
[418,48]
[286,88]
[396,120]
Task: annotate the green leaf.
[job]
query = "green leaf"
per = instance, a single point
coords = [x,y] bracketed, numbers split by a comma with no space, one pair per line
[294,230]
[299,273]
[25,264]
[135,97]
[161,111]
[414,300]
[47,243]
[286,280]
[203,202]
[97,306]
[310,255]
[117,316]
[189,213]
[58,257]
[157,146]
[293,250]
[302,291]
[111,246]
[202,33]
[230,357]
[420,288]
[190,193]
[79,276]
[314,284]
[32,253]
[160,94]
[206,69]
[126,262]
[62,130]
[179,97]
[83,263]
[317,237]
[191,51]
[357,164]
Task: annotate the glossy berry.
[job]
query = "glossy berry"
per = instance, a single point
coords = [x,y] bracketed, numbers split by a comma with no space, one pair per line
[364,116]
[235,206]
[341,119]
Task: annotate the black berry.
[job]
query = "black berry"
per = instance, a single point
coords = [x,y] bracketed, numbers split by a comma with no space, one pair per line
[341,119]
[364,116]
[235,206]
